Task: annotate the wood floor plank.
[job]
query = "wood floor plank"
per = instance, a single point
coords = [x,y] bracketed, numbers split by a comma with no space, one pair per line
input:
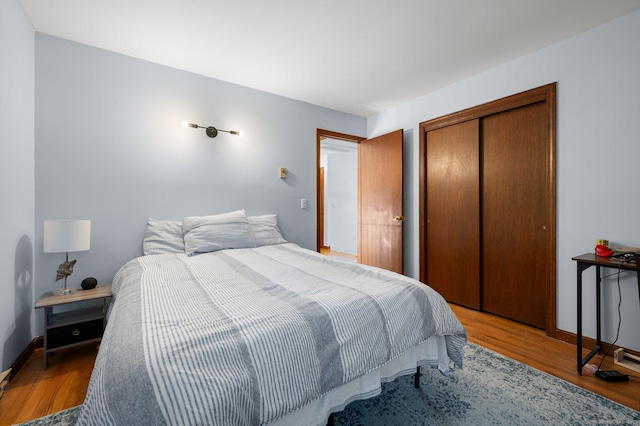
[34,392]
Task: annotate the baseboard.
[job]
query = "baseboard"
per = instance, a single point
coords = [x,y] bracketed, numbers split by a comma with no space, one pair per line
[37,342]
[565,336]
[588,342]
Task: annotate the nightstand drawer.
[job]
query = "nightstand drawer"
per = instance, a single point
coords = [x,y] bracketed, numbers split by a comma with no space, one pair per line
[74,333]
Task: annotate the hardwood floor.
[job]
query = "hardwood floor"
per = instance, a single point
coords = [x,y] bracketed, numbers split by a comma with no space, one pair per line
[35,392]
[328,252]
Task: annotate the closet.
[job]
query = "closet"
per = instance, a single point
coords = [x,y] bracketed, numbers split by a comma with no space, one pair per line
[487,207]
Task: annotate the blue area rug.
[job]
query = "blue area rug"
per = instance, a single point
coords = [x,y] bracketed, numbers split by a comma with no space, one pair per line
[490,390]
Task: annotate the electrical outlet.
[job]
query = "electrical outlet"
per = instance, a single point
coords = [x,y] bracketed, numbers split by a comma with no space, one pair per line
[303,203]
[283,172]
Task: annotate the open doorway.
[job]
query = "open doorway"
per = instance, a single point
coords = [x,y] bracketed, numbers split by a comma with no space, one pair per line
[337,194]
[379,218]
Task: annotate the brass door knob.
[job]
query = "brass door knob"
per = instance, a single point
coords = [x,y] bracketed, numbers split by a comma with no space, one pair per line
[398,218]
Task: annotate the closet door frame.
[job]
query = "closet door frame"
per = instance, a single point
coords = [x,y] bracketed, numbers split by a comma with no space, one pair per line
[547,94]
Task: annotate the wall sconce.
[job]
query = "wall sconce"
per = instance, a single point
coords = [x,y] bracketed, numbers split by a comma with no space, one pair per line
[211,131]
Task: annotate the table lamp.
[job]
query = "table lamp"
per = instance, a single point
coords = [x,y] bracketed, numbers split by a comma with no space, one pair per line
[65,236]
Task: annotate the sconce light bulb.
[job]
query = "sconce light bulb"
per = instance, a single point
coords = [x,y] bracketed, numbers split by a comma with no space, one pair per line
[186,124]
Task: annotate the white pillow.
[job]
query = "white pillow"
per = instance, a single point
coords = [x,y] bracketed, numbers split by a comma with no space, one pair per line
[163,236]
[204,234]
[265,230]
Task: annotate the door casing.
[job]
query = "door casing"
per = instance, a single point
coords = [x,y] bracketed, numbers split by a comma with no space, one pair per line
[322,134]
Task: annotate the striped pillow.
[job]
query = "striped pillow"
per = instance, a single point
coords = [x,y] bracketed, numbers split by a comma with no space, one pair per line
[163,236]
[265,230]
[204,234]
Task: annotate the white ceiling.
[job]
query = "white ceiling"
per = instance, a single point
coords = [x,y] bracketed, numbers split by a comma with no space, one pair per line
[356,56]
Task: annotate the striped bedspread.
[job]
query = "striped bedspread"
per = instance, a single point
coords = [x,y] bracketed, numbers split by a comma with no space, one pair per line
[246,336]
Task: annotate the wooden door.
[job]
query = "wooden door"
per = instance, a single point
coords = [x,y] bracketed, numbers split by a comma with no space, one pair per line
[380,193]
[514,213]
[453,212]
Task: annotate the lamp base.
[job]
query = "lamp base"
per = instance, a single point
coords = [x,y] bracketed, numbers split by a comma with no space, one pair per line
[63,291]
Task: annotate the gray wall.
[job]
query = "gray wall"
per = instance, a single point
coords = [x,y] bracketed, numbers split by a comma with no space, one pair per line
[16,181]
[109,147]
[597,157]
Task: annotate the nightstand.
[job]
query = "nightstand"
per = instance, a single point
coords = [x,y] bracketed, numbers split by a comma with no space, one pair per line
[73,327]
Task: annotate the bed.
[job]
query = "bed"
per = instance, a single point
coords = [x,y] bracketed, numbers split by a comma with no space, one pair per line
[213,327]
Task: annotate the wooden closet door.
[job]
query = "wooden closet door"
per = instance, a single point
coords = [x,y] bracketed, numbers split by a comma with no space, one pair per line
[514,194]
[453,213]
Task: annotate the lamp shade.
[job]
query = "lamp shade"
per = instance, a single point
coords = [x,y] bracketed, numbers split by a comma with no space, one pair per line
[66,235]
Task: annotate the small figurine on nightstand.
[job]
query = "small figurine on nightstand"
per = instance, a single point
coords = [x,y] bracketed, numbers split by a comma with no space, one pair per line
[65,269]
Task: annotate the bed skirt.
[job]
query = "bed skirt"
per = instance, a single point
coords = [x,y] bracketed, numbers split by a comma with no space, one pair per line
[430,353]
